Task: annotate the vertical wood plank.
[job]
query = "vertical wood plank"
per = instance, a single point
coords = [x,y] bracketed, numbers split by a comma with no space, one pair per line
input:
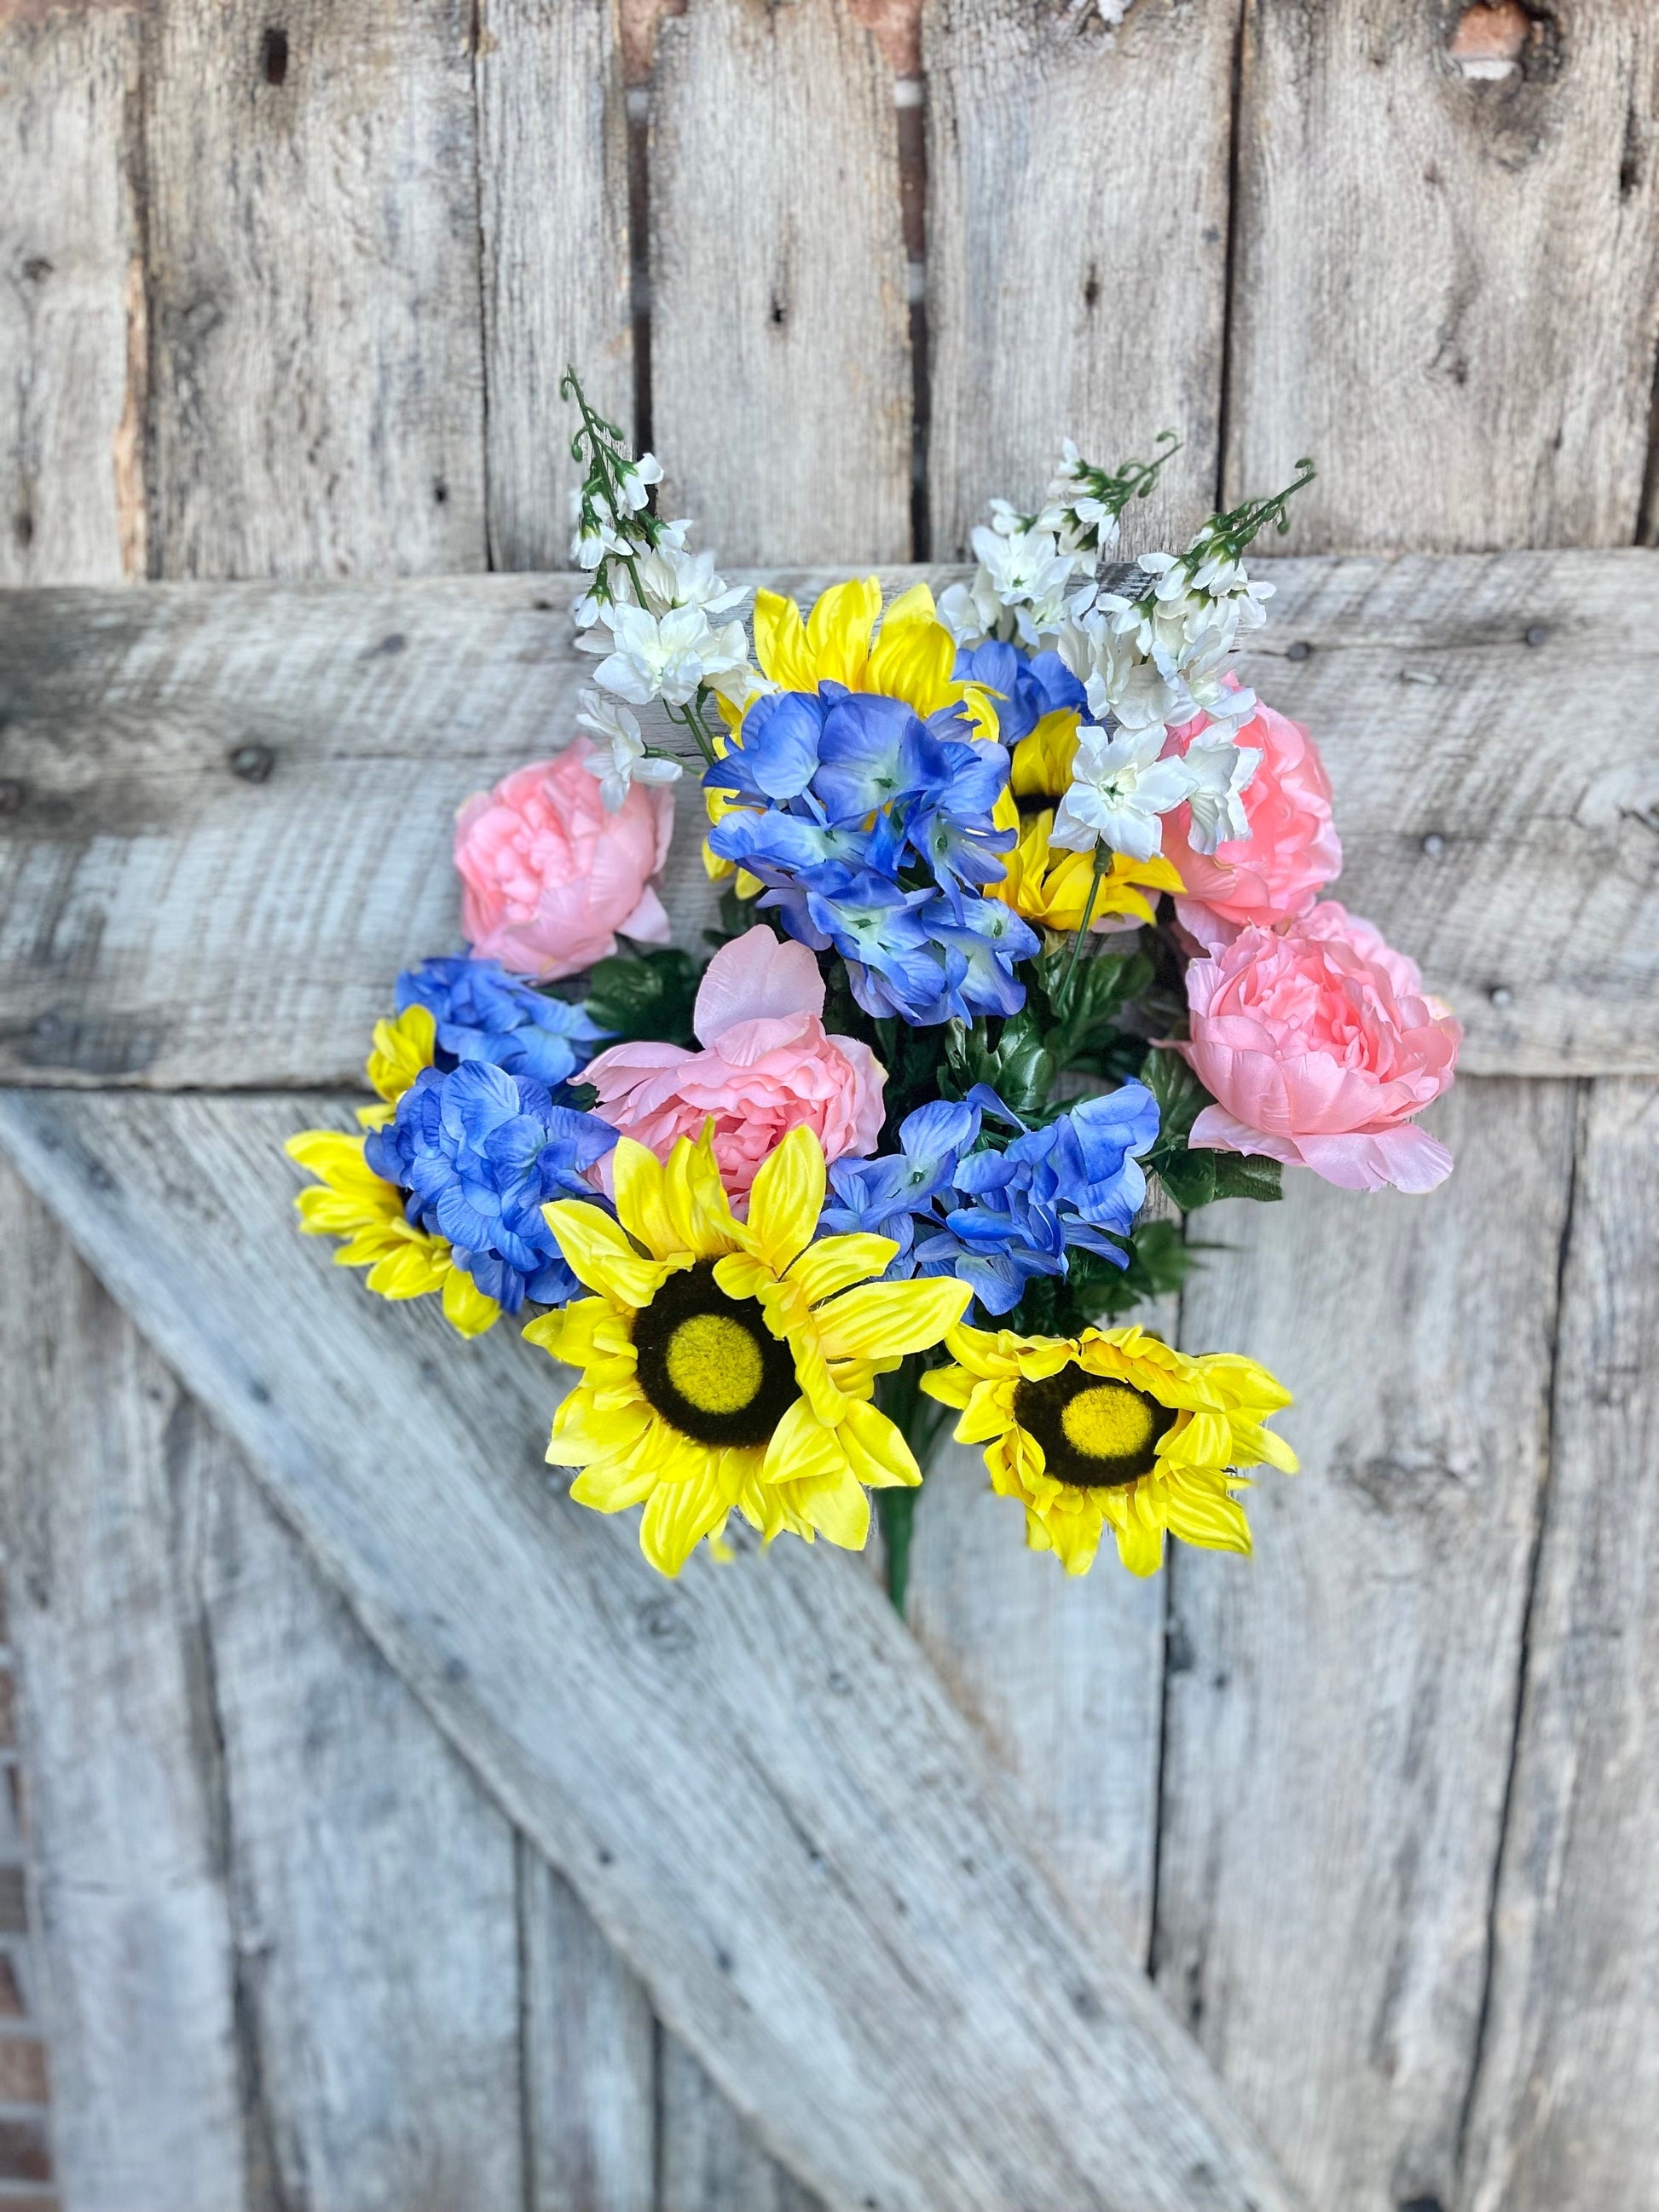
[72,342]
[104,1466]
[1062,1676]
[316,406]
[1446,288]
[589,2060]
[1077,268]
[709,2162]
[780,344]
[1339,1711]
[553,214]
[374,1891]
[1570,2086]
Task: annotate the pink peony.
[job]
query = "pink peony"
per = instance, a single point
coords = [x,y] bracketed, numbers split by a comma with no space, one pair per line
[1290,853]
[1318,1043]
[550,877]
[766,1064]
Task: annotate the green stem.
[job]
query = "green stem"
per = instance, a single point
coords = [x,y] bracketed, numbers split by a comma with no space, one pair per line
[897,1512]
[1102,864]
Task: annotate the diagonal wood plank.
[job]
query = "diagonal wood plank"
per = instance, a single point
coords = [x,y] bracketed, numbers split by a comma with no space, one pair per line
[808,1862]
[1569,2087]
[1078,187]
[168,918]
[1340,1719]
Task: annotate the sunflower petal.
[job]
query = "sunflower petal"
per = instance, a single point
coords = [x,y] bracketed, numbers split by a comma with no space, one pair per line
[803,1448]
[780,645]
[468,1310]
[677,1517]
[838,630]
[787,1199]
[914,660]
[697,1204]
[876,1449]
[599,1253]
[1206,1515]
[1139,1545]
[891,1318]
[835,1263]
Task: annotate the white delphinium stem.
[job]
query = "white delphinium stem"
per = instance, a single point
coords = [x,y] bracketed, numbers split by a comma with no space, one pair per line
[626,759]
[1121,788]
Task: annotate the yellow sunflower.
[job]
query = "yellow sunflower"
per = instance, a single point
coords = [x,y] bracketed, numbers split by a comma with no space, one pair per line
[730,1365]
[404,1261]
[1113,1428]
[1049,886]
[349,1200]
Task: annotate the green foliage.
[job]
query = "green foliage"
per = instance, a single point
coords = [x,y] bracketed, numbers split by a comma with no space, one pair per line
[1019,1067]
[647,995]
[1085,1000]
[1197,1178]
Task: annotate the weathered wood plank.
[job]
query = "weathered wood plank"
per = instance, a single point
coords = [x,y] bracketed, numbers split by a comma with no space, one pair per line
[1445,285]
[105,1465]
[1078,183]
[374,1897]
[317,407]
[72,325]
[780,338]
[708,2160]
[164,920]
[1570,2085]
[1340,1717]
[590,2068]
[553,213]
[809,1863]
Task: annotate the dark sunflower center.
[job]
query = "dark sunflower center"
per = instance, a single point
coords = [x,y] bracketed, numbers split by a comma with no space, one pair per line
[709,1364]
[1095,1431]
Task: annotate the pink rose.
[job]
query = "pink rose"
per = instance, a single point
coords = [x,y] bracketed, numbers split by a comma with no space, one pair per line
[766,1064]
[1290,853]
[550,877]
[1318,1043]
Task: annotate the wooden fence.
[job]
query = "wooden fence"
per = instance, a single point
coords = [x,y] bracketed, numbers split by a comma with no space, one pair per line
[1328,1879]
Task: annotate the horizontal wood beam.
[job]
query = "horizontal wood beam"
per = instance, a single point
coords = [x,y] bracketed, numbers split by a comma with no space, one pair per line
[225,809]
[750,1776]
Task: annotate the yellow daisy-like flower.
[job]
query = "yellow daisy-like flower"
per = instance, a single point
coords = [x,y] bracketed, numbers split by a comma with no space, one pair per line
[1041,770]
[400,1050]
[404,1261]
[730,1365]
[1113,1428]
[1049,886]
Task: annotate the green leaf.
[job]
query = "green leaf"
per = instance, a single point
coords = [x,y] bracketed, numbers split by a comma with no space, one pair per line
[1180,1096]
[645,995]
[1243,1175]
[1189,1177]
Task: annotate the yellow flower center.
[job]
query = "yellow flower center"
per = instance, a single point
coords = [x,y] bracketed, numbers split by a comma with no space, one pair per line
[1108,1421]
[715,1363]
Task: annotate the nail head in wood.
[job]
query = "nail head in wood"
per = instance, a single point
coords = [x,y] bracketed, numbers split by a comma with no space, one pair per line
[252,763]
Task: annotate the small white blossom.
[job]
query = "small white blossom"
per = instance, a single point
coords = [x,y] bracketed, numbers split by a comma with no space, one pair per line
[667,657]
[1119,790]
[1025,573]
[637,478]
[671,577]
[624,760]
[1220,772]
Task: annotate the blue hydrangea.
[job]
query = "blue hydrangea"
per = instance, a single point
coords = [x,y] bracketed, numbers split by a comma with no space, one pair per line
[1025,687]
[483,1012]
[871,830]
[885,1196]
[480,1151]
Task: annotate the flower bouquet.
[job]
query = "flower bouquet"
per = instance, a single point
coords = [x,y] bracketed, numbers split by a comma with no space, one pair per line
[1020,924]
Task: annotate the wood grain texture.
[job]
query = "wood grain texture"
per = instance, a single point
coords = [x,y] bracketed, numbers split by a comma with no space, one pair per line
[1570,2085]
[1446,288]
[590,2066]
[374,1891]
[553,216]
[809,1863]
[317,404]
[709,2161]
[1077,269]
[1340,1717]
[163,920]
[105,1468]
[780,341]
[72,326]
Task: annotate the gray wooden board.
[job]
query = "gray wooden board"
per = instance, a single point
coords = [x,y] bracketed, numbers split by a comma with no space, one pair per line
[1567,2110]
[164,921]
[373,1893]
[72,323]
[1340,1718]
[317,398]
[708,2160]
[590,2064]
[553,214]
[781,382]
[1445,285]
[1077,267]
[809,1863]
[105,1465]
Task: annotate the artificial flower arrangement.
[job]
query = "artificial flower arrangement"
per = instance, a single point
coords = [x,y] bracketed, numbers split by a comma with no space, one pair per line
[1020,914]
